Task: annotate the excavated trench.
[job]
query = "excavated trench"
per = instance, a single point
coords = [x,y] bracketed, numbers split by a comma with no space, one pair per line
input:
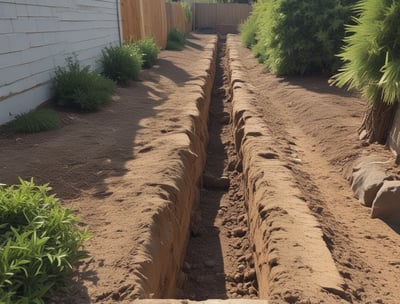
[219,263]
[251,234]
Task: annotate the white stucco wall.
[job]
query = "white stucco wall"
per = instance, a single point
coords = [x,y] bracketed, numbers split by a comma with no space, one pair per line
[37,35]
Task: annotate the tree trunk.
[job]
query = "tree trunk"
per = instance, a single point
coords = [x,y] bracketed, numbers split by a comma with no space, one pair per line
[378,121]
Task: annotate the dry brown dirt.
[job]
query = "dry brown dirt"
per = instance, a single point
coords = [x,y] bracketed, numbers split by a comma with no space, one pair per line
[94,165]
[317,124]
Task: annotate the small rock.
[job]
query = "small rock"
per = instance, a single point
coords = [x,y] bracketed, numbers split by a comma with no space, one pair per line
[238,277]
[241,218]
[250,275]
[186,267]
[210,181]
[253,291]
[239,232]
[249,257]
[242,259]
[296,161]
[241,267]
[209,263]
[363,134]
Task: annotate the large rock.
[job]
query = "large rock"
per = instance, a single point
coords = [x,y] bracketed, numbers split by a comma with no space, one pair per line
[367,180]
[387,202]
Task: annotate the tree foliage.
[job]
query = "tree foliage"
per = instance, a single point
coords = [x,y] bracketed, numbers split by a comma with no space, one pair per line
[371,55]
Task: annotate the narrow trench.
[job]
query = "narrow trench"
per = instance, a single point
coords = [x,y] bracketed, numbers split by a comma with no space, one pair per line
[219,262]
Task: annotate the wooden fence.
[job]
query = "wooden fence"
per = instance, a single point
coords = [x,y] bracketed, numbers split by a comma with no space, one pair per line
[224,17]
[155,18]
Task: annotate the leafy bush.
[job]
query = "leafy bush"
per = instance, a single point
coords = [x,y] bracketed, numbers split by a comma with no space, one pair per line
[300,37]
[121,63]
[81,88]
[39,243]
[35,121]
[248,30]
[149,50]
[371,55]
[175,40]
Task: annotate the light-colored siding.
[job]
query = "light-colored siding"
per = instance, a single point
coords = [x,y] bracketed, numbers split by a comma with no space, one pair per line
[37,35]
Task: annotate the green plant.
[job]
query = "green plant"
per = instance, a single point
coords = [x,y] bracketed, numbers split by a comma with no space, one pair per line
[81,88]
[175,40]
[248,30]
[149,50]
[187,11]
[121,63]
[39,243]
[35,121]
[371,59]
[301,37]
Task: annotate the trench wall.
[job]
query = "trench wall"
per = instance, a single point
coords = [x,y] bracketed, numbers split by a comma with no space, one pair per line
[175,191]
[291,259]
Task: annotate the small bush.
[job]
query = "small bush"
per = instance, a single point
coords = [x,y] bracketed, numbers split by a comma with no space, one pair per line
[121,63]
[35,121]
[175,40]
[39,243]
[81,88]
[149,50]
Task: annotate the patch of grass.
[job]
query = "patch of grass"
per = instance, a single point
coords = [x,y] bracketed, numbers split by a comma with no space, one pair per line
[39,243]
[122,63]
[35,121]
[81,88]
[149,50]
[175,40]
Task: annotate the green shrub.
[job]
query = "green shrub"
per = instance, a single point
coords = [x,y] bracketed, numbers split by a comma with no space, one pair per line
[39,243]
[248,30]
[300,37]
[81,88]
[175,40]
[149,50]
[371,55]
[121,63]
[35,121]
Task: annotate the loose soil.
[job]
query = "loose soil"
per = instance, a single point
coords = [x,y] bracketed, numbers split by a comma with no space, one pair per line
[91,160]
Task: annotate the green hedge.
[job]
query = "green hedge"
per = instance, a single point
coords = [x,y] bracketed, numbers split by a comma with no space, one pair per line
[298,37]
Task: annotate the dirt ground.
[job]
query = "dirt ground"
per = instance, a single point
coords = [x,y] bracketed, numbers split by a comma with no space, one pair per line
[91,160]
[322,123]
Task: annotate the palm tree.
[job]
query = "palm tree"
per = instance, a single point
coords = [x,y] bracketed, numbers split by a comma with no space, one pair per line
[371,59]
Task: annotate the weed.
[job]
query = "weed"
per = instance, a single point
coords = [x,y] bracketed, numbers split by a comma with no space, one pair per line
[149,50]
[121,63]
[35,121]
[81,88]
[175,40]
